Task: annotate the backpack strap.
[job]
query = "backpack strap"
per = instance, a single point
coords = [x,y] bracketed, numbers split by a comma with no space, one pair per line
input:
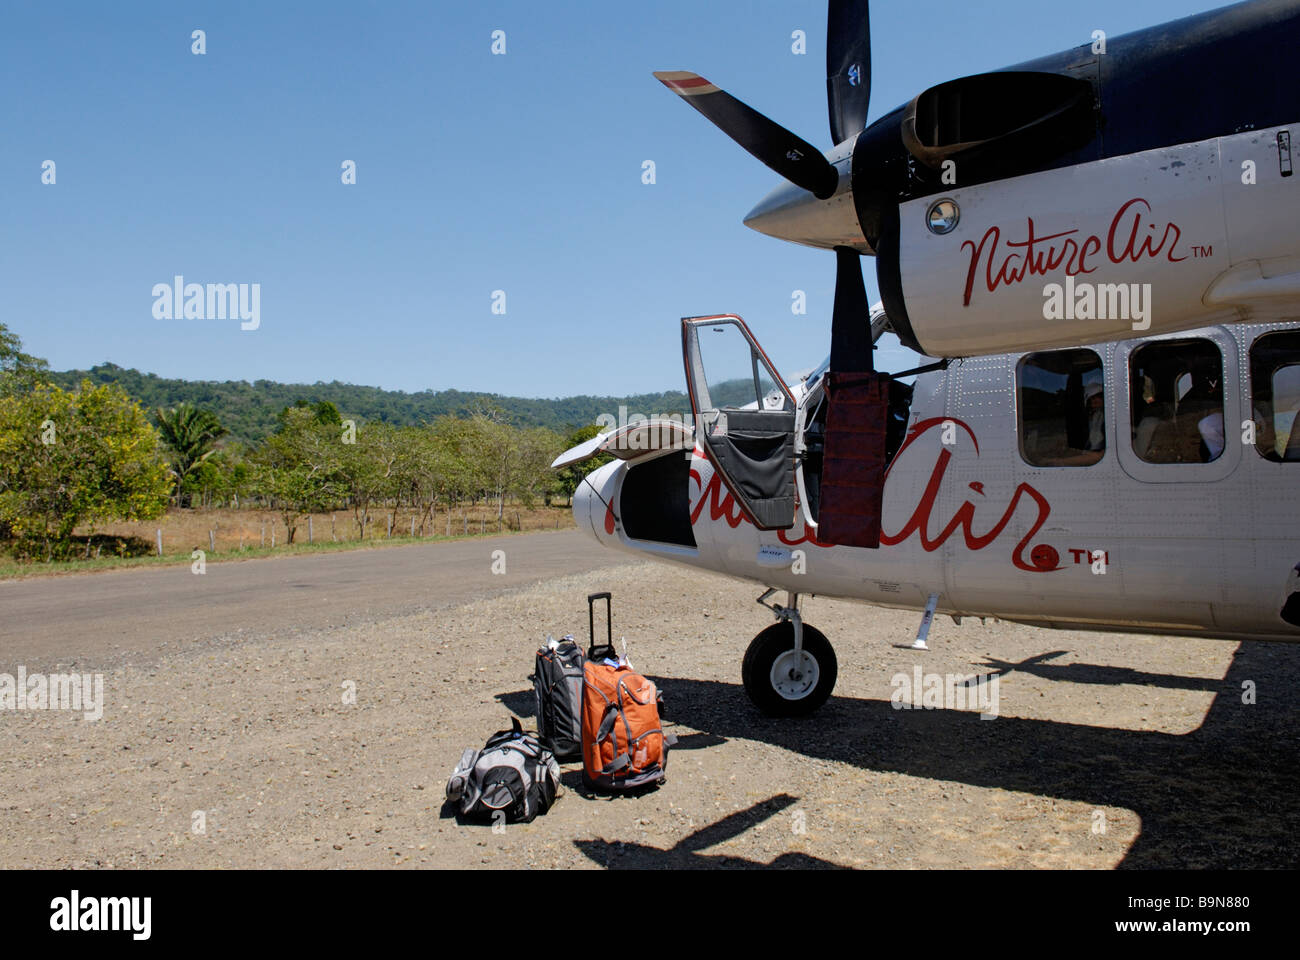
[516,732]
[607,722]
[617,764]
[524,747]
[613,712]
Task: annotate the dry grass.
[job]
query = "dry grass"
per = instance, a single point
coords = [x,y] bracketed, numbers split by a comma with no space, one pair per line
[190,529]
[257,532]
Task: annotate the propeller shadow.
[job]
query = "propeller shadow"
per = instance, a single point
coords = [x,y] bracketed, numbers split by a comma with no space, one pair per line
[685,854]
[1094,673]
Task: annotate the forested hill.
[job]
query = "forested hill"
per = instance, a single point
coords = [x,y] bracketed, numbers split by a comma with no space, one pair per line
[248,410]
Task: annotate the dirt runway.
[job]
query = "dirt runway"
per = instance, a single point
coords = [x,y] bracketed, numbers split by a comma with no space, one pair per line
[233,746]
[135,615]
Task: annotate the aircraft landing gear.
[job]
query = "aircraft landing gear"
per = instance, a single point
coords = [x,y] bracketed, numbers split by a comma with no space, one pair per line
[790,668]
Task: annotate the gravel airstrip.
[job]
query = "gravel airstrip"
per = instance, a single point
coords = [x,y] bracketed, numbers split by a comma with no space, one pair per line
[238,748]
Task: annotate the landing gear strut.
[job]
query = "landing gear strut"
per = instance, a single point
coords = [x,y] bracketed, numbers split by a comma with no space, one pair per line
[789,669]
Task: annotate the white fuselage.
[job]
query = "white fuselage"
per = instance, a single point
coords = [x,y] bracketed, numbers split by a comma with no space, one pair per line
[1183,548]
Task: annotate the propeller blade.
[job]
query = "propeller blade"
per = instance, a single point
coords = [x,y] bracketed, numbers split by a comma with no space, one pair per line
[851,320]
[848,67]
[793,158]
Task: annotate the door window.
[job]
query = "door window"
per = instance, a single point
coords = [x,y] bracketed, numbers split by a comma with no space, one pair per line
[744,417]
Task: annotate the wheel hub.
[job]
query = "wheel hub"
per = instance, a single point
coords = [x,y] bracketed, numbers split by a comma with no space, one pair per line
[795,674]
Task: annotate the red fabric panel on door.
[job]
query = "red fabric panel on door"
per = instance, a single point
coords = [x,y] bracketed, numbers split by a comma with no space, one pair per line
[853,462]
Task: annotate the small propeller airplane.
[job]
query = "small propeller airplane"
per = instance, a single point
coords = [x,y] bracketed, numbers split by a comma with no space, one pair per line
[1121,217]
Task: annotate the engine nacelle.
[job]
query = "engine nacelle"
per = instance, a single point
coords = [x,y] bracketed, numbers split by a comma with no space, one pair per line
[1080,255]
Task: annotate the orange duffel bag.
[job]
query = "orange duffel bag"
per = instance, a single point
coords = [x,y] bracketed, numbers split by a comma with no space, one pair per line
[623,743]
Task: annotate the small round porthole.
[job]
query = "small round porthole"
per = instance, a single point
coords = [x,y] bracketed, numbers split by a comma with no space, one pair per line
[942,217]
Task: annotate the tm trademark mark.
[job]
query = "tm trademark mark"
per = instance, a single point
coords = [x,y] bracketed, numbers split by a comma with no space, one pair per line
[1202,253]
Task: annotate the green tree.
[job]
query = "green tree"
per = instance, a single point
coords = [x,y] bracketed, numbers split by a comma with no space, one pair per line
[493,454]
[191,435]
[421,470]
[18,371]
[509,462]
[238,473]
[568,478]
[68,459]
[449,438]
[370,469]
[300,466]
[322,411]
[538,448]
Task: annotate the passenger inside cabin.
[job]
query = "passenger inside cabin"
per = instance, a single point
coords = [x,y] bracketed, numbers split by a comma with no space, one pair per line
[1181,417]
[1095,398]
[1061,404]
[1090,446]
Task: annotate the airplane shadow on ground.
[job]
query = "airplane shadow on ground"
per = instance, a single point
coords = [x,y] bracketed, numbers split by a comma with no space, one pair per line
[1225,795]
[685,854]
[1093,673]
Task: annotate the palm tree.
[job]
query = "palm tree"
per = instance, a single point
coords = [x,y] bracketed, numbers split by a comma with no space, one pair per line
[190,435]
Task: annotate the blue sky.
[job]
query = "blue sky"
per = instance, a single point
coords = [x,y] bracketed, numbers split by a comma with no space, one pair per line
[475,173]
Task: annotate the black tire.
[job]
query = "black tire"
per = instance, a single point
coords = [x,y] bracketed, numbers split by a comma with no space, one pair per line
[756,670]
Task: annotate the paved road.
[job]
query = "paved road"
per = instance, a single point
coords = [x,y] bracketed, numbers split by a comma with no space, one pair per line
[136,612]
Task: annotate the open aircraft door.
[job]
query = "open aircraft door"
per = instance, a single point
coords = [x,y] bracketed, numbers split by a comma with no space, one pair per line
[744,416]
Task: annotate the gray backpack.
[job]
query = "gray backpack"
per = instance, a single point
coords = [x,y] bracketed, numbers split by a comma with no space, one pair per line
[557,691]
[513,773]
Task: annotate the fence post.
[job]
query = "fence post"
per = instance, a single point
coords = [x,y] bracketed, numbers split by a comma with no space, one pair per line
[212,541]
[263,544]
[160,541]
[309,536]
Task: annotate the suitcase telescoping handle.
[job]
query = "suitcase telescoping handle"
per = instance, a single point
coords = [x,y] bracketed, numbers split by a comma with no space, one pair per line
[608,649]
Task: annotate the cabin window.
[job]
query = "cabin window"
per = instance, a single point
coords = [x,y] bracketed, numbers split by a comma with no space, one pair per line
[1176,390]
[1275,393]
[1061,402]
